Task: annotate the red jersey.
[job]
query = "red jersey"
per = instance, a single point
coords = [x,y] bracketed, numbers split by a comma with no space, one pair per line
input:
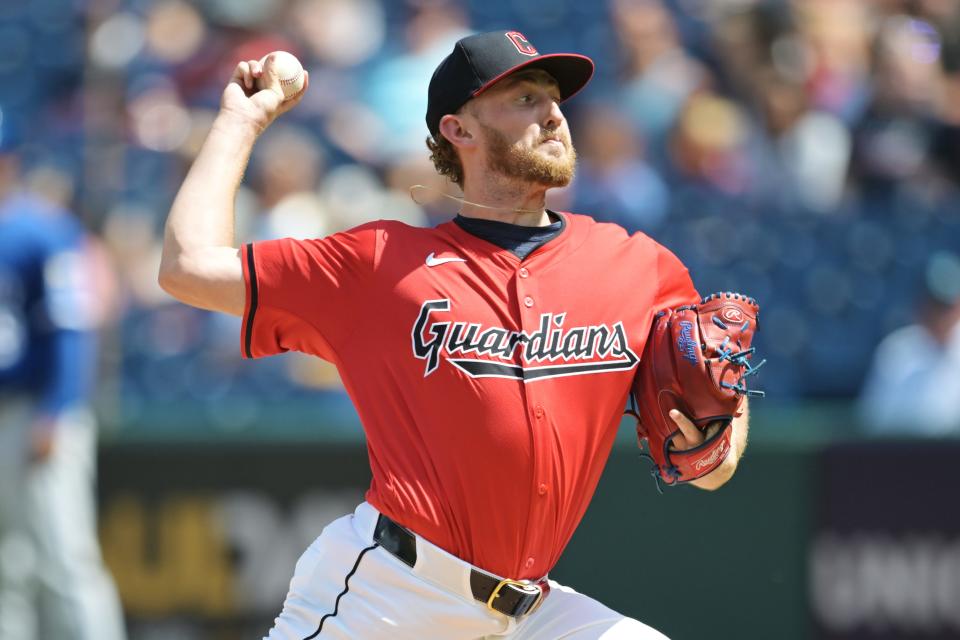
[490,388]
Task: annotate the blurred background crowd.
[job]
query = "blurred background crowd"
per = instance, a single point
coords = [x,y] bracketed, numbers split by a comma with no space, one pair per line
[805,151]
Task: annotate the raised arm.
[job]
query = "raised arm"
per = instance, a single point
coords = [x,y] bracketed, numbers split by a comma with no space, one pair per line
[200,264]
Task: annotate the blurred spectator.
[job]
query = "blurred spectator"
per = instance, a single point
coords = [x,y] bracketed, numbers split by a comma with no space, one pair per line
[806,152]
[614,182]
[355,194]
[708,146]
[895,137]
[390,87]
[834,45]
[946,149]
[53,584]
[286,173]
[129,235]
[340,33]
[658,75]
[913,386]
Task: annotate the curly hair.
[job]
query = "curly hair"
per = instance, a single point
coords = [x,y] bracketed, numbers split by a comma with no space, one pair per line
[445,158]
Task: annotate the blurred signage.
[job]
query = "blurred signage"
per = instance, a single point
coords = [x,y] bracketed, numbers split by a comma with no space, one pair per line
[884,561]
[211,534]
[217,554]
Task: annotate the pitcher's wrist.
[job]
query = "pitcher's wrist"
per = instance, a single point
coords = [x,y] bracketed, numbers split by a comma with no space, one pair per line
[234,123]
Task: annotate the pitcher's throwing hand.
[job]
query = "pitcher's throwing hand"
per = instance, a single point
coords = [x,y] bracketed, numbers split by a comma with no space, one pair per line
[257,91]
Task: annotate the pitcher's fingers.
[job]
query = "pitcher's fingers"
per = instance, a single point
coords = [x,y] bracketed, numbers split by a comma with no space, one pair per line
[242,76]
[712,429]
[238,72]
[690,432]
[252,73]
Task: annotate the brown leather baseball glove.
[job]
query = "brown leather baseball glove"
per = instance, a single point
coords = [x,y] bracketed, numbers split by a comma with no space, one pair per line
[696,360]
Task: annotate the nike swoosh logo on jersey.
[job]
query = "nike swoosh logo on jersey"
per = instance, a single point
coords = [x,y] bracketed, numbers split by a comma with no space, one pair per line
[433,261]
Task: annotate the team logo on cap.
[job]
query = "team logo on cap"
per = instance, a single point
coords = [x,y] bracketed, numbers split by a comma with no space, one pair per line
[521,43]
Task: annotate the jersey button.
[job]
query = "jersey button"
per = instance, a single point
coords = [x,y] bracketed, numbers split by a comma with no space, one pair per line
[538,411]
[542,489]
[529,563]
[528,301]
[524,273]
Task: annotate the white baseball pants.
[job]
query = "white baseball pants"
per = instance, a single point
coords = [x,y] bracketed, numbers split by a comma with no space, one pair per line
[53,584]
[345,586]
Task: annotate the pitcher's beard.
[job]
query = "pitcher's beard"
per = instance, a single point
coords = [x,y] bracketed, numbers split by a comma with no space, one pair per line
[527,165]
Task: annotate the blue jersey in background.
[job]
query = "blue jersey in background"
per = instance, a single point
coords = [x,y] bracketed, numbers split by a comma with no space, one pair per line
[47,344]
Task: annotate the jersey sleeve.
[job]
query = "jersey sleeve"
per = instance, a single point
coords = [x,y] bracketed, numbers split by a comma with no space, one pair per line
[306,295]
[675,288]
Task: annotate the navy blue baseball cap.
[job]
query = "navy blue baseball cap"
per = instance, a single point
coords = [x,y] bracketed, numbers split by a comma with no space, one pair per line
[480,61]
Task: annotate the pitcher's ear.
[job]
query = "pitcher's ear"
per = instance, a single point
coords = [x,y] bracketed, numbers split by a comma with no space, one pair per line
[456,129]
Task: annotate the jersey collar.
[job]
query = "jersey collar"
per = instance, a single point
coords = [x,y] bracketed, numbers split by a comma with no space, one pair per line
[572,235]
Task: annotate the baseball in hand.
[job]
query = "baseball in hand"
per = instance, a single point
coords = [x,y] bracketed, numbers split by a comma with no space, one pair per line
[289,73]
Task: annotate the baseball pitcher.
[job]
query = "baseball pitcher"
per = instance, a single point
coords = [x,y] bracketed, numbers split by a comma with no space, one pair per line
[489,358]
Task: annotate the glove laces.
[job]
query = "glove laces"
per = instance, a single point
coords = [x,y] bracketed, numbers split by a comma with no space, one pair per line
[739,359]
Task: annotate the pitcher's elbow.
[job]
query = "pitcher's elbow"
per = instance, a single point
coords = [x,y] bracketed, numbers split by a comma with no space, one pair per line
[170,277]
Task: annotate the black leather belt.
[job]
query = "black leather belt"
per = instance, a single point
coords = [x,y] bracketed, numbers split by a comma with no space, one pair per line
[509,597]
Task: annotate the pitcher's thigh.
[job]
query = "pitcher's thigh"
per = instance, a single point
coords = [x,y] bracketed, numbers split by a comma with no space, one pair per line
[569,615]
[346,588]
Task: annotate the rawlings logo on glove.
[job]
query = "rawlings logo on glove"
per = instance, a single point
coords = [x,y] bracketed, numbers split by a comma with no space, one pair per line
[686,343]
[710,460]
[696,360]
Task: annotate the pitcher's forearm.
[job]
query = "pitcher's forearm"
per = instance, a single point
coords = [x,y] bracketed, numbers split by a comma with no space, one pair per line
[202,214]
[741,427]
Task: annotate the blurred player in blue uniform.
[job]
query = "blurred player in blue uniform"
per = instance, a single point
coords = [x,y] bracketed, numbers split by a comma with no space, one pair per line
[53,584]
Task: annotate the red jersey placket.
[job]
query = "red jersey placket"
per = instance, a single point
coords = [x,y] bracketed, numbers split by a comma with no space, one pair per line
[531,309]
